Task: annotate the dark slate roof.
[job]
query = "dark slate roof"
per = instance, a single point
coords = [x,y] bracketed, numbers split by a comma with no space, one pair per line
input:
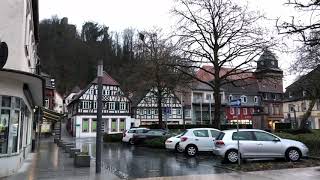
[267,58]
[248,86]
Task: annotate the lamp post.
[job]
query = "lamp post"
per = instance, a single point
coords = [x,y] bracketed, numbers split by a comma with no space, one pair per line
[99,117]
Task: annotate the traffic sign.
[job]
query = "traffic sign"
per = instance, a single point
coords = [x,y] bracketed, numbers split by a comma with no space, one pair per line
[235,103]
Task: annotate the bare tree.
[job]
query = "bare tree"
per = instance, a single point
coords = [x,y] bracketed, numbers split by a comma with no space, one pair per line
[160,79]
[223,35]
[303,25]
[308,53]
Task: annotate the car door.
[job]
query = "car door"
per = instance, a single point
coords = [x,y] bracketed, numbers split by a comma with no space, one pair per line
[201,140]
[268,144]
[213,136]
[247,143]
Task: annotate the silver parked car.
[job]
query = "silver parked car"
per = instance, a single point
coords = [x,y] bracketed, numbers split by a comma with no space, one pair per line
[256,143]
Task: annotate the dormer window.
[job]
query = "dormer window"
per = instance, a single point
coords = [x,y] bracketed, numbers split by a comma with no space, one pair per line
[304,93]
[243,99]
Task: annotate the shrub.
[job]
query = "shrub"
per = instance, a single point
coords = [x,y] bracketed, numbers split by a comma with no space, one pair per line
[112,137]
[311,140]
[156,142]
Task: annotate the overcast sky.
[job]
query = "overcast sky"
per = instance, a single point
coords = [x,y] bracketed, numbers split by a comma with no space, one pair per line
[147,14]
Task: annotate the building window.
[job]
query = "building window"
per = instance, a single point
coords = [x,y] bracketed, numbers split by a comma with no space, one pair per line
[46,103]
[13,114]
[145,111]
[93,125]
[138,111]
[304,93]
[273,96]
[122,106]
[290,94]
[149,111]
[122,124]
[303,107]
[264,95]
[255,99]
[187,113]
[85,105]
[178,111]
[243,99]
[232,111]
[114,125]
[85,125]
[92,91]
[245,111]
[95,105]
[291,107]
[208,96]
[156,111]
[230,98]
[111,105]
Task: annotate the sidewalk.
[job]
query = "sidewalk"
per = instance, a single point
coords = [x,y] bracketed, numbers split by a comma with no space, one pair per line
[312,173]
[51,163]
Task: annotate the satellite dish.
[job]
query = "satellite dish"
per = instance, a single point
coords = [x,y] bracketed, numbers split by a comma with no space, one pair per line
[3,54]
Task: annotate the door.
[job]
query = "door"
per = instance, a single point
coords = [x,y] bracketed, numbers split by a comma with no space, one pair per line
[214,135]
[269,145]
[201,140]
[248,145]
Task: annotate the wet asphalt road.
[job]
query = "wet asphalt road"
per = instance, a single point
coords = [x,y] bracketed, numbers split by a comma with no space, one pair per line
[129,162]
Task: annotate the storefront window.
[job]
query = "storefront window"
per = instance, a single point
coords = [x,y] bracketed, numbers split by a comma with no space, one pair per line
[85,125]
[122,124]
[94,125]
[4,130]
[11,123]
[114,127]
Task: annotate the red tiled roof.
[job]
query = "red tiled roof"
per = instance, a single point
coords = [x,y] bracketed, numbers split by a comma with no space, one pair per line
[203,75]
[106,80]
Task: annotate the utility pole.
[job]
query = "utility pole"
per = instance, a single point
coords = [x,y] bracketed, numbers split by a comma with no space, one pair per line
[99,117]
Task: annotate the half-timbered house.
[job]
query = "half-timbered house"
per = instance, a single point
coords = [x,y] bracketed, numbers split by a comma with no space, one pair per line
[146,109]
[115,111]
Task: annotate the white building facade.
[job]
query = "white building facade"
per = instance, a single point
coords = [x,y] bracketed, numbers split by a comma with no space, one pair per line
[21,88]
[146,110]
[82,110]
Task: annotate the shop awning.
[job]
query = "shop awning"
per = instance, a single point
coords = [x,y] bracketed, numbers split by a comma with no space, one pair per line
[51,115]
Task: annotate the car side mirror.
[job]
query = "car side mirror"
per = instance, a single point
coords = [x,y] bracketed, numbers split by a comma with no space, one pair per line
[276,140]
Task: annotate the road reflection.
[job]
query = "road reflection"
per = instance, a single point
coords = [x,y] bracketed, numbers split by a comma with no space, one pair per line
[138,162]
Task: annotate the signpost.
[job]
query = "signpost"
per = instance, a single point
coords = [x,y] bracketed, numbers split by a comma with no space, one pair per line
[237,104]
[167,113]
[99,117]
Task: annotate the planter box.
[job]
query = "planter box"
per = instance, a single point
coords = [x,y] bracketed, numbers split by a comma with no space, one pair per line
[73,151]
[67,148]
[81,160]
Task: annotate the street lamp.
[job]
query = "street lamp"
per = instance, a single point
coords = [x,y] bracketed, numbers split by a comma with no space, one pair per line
[99,116]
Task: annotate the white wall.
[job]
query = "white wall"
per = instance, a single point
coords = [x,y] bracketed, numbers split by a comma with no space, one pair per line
[78,120]
[58,107]
[16,32]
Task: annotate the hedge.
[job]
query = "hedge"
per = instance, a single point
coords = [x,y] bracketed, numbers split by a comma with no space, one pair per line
[112,137]
[189,126]
[311,140]
[155,142]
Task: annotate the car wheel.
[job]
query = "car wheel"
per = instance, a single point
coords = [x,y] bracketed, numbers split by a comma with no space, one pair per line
[231,156]
[178,148]
[131,142]
[293,154]
[191,150]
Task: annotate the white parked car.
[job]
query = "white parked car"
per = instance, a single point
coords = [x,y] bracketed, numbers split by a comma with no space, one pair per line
[198,139]
[255,143]
[128,134]
[173,143]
